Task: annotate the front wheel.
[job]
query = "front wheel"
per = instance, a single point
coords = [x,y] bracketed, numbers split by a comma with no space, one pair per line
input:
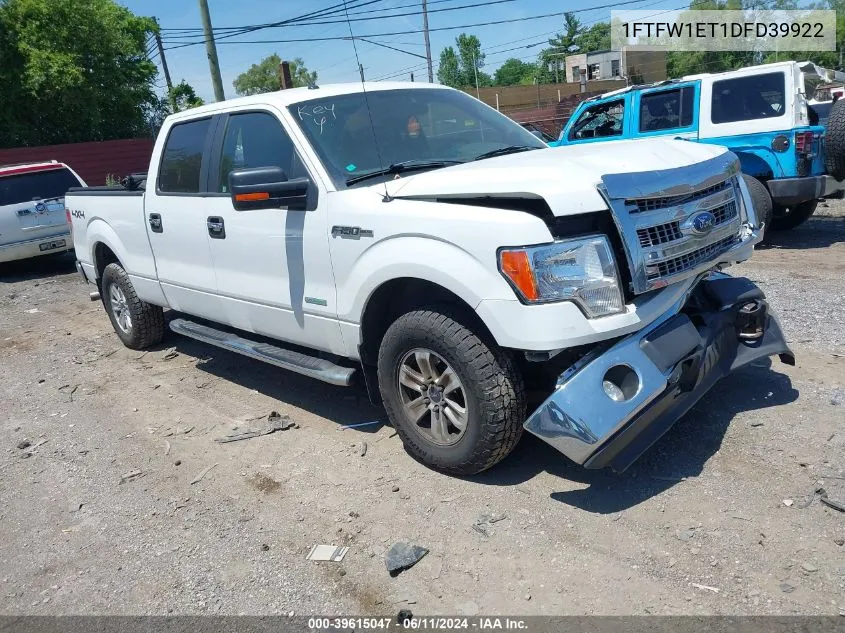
[788,218]
[457,403]
[137,323]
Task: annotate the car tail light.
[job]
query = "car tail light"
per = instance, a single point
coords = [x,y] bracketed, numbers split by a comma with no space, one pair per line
[67,215]
[803,142]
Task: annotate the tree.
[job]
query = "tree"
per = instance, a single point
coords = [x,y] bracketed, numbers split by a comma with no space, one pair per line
[460,69]
[264,76]
[73,71]
[561,45]
[448,72]
[595,38]
[183,96]
[514,72]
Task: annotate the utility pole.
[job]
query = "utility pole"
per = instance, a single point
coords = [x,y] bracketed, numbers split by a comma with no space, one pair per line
[211,52]
[412,76]
[427,42]
[475,69]
[163,60]
[361,71]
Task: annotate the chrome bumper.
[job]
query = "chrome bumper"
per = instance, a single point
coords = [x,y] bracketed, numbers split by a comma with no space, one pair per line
[617,401]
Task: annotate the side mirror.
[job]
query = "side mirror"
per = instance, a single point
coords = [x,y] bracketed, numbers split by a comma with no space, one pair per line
[267,188]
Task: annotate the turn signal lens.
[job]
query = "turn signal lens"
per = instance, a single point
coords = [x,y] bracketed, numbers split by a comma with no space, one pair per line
[516,267]
[250,197]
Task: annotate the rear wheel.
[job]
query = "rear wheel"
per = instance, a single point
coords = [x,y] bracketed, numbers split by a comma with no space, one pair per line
[761,199]
[456,402]
[786,218]
[137,323]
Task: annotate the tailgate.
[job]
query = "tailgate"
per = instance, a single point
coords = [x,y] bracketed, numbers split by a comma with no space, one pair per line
[33,220]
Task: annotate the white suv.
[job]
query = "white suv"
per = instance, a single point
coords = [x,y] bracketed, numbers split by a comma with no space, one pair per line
[33,220]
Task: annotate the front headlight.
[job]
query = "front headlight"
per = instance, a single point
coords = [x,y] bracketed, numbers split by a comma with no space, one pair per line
[579,270]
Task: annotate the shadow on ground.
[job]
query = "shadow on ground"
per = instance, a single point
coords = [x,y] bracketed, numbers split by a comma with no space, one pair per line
[679,454]
[343,405]
[817,232]
[37,268]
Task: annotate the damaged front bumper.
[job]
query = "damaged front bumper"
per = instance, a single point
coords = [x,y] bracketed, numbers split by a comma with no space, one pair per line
[611,406]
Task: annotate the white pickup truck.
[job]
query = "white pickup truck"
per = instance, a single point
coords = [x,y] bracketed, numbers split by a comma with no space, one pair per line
[413,238]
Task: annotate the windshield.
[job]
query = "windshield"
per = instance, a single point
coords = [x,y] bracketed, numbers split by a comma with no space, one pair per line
[426,125]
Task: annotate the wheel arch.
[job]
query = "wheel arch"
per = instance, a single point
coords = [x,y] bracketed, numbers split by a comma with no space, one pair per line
[397,296]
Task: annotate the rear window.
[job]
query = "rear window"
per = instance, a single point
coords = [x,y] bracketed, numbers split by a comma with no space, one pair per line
[36,185]
[667,109]
[182,158]
[749,98]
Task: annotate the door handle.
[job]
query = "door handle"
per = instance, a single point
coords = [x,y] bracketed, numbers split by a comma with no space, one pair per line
[216,227]
[155,223]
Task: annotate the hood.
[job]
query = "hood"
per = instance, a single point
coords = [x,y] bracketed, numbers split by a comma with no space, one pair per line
[565,177]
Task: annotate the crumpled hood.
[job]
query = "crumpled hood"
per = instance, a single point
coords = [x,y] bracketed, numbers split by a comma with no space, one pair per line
[566,177]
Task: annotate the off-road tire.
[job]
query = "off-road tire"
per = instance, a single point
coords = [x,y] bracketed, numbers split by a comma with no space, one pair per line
[834,141]
[762,201]
[788,218]
[147,320]
[495,396]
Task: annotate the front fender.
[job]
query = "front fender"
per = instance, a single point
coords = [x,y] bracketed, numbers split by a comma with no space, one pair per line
[425,258]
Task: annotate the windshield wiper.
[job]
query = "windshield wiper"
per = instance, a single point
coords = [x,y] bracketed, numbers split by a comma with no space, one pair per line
[405,165]
[510,149]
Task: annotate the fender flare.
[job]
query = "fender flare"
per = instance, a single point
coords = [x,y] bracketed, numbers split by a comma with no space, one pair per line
[98,231]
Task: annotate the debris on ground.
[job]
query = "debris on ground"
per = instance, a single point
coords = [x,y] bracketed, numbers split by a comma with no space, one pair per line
[831,503]
[484,521]
[809,567]
[34,448]
[360,424]
[401,556]
[131,475]
[202,474]
[839,541]
[788,502]
[170,356]
[757,423]
[166,447]
[403,616]
[838,397]
[332,553]
[363,450]
[786,587]
[705,587]
[275,422]
[24,444]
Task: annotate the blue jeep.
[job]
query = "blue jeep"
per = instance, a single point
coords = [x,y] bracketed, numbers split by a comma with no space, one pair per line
[760,113]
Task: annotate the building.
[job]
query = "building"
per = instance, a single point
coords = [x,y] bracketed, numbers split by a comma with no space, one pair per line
[629,65]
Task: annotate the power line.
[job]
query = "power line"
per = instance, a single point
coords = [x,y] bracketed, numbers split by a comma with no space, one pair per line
[442,28]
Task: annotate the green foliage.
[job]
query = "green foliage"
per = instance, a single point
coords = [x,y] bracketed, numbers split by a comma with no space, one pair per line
[574,39]
[514,72]
[73,70]
[264,76]
[183,96]
[460,69]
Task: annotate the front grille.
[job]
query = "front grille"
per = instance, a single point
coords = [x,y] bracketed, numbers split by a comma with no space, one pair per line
[643,205]
[671,231]
[660,234]
[682,263]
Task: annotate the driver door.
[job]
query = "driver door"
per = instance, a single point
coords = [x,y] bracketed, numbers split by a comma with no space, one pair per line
[274,274]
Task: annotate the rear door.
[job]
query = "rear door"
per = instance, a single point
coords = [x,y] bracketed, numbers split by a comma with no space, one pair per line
[32,205]
[175,216]
[667,111]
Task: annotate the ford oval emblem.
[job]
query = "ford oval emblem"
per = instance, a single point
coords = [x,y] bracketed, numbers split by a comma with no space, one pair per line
[701,223]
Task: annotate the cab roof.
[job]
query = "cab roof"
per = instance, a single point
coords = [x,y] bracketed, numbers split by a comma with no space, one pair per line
[285,98]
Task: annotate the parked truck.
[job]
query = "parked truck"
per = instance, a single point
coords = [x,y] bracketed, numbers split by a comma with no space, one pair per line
[410,237]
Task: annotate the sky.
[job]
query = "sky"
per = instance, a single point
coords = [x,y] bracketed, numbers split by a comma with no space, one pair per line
[335,61]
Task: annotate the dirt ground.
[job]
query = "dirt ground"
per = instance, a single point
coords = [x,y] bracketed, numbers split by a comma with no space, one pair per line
[720,517]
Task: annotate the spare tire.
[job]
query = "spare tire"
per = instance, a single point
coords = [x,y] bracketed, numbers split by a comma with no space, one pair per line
[834,142]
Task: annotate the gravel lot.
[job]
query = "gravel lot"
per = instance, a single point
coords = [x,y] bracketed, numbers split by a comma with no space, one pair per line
[720,517]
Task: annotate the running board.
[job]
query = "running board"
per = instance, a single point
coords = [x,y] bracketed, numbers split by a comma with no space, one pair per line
[310,366]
